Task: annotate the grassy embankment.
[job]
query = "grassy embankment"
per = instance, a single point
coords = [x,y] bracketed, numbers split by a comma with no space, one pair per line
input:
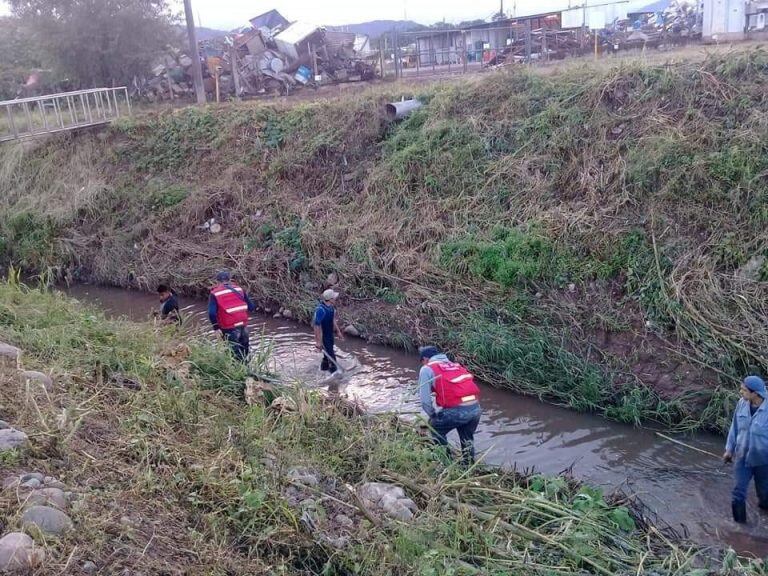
[596,238]
[180,476]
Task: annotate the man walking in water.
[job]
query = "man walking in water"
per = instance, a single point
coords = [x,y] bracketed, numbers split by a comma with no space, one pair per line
[747,446]
[326,327]
[169,305]
[450,398]
[228,308]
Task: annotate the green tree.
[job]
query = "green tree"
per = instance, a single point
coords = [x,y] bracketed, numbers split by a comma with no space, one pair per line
[98,42]
[18,56]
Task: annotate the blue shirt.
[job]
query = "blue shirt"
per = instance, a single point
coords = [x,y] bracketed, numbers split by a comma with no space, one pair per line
[324,316]
[426,378]
[748,436]
[213,307]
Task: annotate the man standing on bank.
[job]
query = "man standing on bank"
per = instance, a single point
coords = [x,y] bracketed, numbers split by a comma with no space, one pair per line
[326,326]
[228,308]
[450,398]
[747,446]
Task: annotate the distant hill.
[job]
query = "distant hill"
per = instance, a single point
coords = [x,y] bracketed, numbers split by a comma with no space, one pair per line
[209,33]
[376,28]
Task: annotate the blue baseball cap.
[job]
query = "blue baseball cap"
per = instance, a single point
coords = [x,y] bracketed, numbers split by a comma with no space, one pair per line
[223,276]
[428,352]
[757,385]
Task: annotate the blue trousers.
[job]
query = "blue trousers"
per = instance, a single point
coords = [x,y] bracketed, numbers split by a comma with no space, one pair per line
[744,475]
[328,363]
[239,342]
[463,419]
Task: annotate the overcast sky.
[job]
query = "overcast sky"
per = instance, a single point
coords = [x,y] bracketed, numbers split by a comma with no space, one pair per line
[232,13]
[229,14]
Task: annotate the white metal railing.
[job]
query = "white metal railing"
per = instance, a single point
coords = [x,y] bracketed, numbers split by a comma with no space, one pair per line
[28,117]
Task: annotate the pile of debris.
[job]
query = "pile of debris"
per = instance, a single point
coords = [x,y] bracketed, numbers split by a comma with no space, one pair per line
[545,44]
[679,22]
[271,56]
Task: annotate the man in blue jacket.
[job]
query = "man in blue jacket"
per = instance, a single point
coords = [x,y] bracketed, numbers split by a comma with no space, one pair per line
[326,327]
[747,446]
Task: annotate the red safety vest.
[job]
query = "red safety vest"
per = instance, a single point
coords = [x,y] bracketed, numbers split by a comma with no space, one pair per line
[231,307]
[453,384]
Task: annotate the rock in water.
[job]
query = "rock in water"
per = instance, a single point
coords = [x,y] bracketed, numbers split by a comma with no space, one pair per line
[352,331]
[19,554]
[49,521]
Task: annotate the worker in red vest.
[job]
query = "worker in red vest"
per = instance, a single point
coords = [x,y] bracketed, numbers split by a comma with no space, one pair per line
[450,398]
[228,308]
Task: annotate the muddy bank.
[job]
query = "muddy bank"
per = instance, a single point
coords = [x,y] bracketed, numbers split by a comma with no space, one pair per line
[688,490]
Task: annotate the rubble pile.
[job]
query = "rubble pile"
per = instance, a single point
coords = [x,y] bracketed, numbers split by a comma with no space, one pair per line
[680,21]
[271,56]
[545,45]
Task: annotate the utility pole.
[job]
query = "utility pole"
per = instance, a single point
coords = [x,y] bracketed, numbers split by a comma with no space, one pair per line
[197,70]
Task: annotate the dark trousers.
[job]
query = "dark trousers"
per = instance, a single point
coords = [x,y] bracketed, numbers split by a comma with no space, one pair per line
[463,419]
[744,475]
[239,342]
[325,364]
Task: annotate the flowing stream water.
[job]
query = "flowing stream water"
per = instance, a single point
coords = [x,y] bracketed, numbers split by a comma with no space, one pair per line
[687,489]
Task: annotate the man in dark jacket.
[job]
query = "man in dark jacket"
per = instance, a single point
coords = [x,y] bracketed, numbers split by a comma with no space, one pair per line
[169,305]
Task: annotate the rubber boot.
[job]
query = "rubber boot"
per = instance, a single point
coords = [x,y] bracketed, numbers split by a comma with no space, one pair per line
[739,512]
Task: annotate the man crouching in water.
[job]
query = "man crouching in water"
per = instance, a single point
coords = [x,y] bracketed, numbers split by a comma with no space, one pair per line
[450,398]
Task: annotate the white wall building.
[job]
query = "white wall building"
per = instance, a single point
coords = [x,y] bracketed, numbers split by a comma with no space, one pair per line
[723,20]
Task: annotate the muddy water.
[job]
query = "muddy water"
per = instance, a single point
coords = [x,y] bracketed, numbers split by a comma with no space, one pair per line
[689,490]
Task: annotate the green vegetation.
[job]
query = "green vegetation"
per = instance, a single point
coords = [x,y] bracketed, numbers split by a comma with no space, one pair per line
[224,479]
[30,241]
[510,258]
[574,220]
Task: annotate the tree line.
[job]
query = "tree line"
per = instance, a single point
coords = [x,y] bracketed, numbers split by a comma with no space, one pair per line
[72,44]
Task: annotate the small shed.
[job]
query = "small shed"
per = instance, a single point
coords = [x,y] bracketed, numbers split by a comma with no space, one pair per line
[723,20]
